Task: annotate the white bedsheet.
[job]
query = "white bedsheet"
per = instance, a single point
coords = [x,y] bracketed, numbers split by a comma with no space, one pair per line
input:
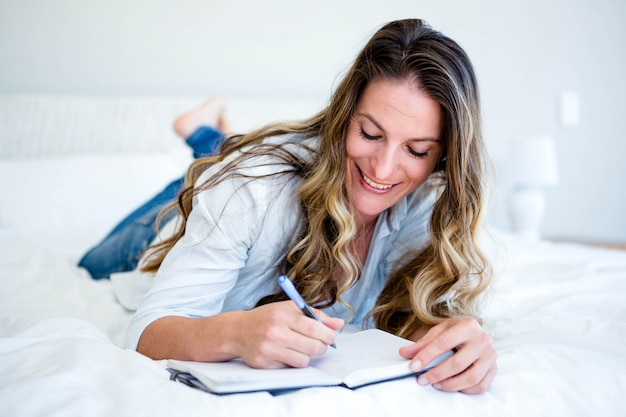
[557,312]
[557,315]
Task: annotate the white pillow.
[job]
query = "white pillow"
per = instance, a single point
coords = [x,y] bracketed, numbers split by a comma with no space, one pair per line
[80,195]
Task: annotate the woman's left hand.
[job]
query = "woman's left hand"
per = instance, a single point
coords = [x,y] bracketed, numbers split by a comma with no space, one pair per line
[470,370]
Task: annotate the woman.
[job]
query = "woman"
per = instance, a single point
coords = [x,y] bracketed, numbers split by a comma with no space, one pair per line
[372,207]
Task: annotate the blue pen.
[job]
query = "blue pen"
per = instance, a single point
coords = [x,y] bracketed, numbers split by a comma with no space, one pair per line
[287,286]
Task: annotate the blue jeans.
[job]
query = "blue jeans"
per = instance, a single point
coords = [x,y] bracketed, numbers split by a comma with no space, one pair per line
[122,248]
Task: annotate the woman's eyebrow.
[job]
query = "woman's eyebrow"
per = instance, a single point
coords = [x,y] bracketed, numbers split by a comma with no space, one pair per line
[373,120]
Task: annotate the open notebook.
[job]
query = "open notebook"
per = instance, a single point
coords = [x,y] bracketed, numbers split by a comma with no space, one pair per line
[361,358]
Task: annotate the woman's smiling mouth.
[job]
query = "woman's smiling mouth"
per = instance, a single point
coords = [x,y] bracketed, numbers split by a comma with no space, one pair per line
[373,184]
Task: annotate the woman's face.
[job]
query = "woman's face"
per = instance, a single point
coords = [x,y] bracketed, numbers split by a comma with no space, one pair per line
[393,144]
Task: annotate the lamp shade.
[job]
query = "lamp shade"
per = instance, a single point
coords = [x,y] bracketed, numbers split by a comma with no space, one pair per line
[533,162]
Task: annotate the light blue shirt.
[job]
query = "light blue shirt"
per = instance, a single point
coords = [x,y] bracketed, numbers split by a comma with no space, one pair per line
[238,233]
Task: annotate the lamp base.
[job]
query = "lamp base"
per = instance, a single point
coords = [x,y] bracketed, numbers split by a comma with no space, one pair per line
[527,208]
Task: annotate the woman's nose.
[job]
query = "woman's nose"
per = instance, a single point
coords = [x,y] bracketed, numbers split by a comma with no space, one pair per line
[385,163]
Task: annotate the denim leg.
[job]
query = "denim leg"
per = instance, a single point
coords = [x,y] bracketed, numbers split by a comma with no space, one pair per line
[205,141]
[163,198]
[121,249]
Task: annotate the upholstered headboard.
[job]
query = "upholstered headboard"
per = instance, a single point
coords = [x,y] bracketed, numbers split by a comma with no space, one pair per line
[73,166]
[42,126]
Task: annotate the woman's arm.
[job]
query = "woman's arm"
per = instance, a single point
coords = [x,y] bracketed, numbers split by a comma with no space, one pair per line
[226,261]
[470,370]
[272,336]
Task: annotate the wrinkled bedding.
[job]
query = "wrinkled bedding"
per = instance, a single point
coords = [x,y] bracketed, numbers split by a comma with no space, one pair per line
[557,312]
[557,315]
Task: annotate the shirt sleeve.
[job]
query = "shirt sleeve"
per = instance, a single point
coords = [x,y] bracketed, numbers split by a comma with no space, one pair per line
[204,265]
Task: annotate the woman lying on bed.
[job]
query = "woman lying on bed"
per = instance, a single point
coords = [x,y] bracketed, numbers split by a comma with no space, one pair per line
[372,207]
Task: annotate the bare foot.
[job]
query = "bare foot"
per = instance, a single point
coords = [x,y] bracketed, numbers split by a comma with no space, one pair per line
[210,113]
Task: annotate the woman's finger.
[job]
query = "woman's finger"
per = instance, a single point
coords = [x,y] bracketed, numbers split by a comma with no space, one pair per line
[448,335]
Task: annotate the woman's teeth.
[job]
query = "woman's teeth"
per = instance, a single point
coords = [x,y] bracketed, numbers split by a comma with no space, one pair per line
[373,184]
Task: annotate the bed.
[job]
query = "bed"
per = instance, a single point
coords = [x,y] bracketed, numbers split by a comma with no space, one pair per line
[70,167]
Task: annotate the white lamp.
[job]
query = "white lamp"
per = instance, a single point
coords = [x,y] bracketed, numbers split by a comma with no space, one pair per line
[533,167]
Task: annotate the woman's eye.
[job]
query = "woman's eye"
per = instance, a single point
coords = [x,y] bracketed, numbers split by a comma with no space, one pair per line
[420,155]
[366,136]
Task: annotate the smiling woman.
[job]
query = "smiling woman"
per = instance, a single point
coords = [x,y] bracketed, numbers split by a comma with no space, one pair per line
[356,205]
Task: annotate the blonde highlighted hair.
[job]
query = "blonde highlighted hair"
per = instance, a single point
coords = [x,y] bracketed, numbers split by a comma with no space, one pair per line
[442,280]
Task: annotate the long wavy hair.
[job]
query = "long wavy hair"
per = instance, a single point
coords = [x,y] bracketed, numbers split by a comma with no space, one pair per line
[442,280]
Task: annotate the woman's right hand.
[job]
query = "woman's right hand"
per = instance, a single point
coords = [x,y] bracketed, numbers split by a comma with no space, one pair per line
[278,334]
[271,336]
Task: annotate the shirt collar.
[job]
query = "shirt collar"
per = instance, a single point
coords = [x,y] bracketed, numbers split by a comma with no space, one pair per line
[392,218]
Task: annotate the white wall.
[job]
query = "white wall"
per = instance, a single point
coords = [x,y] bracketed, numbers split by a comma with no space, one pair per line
[526,52]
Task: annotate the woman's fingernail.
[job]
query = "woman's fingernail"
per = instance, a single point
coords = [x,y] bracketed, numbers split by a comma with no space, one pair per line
[416,366]
[422,380]
[437,386]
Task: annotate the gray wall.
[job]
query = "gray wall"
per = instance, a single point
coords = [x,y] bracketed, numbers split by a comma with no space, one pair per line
[526,54]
